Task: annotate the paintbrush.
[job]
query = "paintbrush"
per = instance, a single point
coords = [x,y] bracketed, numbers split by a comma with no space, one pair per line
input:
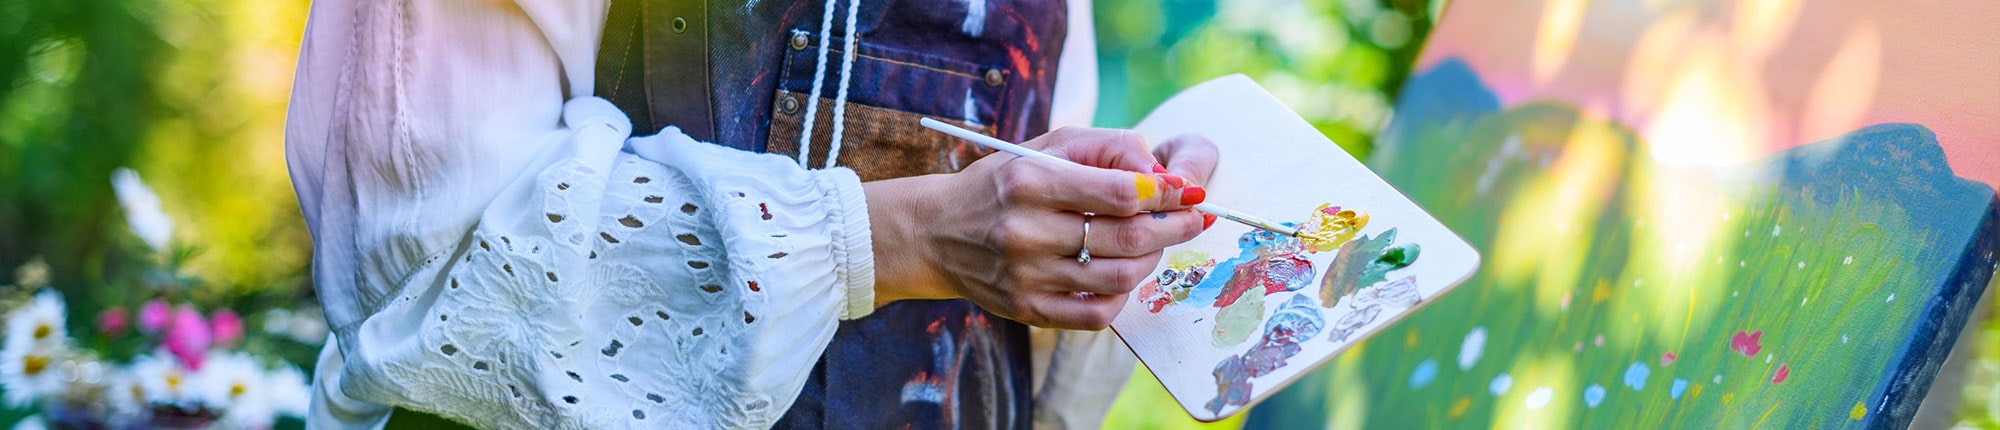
[1209,208]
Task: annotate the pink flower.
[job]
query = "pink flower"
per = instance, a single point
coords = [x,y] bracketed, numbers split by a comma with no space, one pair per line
[1784,371]
[112,321]
[1746,343]
[188,337]
[227,327]
[1668,359]
[153,316]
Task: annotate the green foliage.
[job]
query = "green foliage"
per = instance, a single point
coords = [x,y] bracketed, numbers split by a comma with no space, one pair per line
[76,99]
[1338,63]
[190,93]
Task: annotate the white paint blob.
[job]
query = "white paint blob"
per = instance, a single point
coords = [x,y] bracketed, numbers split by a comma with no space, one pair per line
[1540,397]
[1474,346]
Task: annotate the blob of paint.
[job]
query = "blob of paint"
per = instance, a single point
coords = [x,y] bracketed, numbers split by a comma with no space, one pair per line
[1747,342]
[1635,376]
[1539,398]
[1293,322]
[1234,324]
[1593,396]
[1425,372]
[1145,186]
[1500,384]
[1470,350]
[1680,386]
[1363,262]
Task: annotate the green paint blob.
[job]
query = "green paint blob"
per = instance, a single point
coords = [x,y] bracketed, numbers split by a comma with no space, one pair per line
[1352,265]
[1236,322]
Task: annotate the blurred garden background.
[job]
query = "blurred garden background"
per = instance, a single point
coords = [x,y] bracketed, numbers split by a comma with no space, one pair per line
[190,95]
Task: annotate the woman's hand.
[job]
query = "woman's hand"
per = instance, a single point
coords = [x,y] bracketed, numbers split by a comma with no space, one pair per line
[1006,231]
[1189,156]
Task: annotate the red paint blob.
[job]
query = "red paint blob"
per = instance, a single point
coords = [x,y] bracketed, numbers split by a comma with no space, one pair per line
[1747,343]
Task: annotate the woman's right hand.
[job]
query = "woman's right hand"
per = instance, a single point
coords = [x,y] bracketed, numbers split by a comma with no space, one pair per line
[1006,231]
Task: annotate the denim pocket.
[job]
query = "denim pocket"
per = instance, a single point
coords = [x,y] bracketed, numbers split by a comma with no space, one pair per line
[889,89]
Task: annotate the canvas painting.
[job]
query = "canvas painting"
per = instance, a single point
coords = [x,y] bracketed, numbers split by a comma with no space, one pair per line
[1238,312]
[1733,214]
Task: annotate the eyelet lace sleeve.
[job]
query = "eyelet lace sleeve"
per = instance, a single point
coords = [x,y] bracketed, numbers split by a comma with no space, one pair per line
[492,246]
[607,289]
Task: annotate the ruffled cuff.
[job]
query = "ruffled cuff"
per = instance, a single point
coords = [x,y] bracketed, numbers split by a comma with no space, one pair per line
[853,242]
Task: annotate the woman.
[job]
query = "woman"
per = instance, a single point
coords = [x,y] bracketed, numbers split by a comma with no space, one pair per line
[496,245]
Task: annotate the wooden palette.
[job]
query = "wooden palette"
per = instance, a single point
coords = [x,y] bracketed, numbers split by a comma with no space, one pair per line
[1236,314]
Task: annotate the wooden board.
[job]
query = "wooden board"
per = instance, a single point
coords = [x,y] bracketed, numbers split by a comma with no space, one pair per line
[1237,313]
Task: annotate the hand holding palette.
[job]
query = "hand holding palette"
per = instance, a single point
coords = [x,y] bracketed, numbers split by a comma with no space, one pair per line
[1239,312]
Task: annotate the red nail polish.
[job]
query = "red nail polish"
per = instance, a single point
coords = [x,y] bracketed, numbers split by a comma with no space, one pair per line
[1157,168]
[1174,181]
[1207,220]
[1193,195]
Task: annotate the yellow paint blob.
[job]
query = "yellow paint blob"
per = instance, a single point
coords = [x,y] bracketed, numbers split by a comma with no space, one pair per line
[1145,185]
[1459,406]
[1860,411]
[1410,340]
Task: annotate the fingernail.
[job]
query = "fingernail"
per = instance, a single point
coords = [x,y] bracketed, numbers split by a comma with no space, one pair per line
[1193,195]
[1174,181]
[1157,168]
[1207,220]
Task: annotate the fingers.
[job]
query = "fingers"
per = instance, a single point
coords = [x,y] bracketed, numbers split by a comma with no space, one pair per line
[1189,156]
[1101,276]
[1142,234]
[1062,187]
[1061,234]
[1105,148]
[1074,312]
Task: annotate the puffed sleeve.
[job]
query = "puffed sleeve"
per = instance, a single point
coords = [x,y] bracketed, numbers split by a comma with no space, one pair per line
[495,248]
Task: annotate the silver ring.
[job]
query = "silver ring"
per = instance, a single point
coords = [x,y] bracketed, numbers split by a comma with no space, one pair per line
[1083,256]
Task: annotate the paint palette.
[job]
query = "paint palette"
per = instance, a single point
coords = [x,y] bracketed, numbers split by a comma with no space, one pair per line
[1237,313]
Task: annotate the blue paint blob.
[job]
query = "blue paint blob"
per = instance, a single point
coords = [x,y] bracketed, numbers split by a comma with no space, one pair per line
[1426,372]
[1211,287]
[1500,384]
[1635,376]
[1593,395]
[1680,386]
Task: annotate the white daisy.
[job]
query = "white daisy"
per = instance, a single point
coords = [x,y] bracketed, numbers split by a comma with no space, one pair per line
[39,322]
[289,391]
[125,399]
[35,343]
[30,374]
[162,380]
[235,384]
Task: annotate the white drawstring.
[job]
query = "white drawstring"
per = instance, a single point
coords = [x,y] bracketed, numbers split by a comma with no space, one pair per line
[840,101]
[819,73]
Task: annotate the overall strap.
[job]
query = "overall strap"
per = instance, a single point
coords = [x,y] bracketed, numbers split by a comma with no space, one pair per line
[674,36]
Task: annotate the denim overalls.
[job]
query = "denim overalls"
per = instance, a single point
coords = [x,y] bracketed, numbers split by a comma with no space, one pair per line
[738,73]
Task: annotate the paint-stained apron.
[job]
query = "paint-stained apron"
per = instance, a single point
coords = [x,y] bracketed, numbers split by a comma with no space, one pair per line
[739,74]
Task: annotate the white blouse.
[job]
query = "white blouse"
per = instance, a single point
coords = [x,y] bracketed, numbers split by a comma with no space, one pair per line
[493,245]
